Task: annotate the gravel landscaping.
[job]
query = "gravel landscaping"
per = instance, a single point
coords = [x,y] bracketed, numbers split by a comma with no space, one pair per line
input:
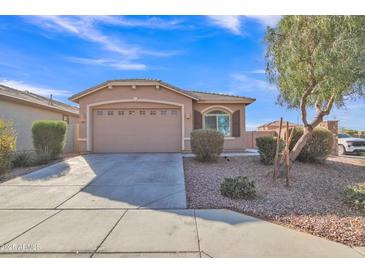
[314,202]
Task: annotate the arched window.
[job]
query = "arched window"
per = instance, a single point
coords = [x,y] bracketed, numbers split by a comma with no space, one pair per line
[218,120]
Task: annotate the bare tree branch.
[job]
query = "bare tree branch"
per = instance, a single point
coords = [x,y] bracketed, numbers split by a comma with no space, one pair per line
[318,105]
[303,102]
[321,113]
[329,105]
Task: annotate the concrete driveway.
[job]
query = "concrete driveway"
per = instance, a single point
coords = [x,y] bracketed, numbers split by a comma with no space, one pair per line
[133,205]
[101,181]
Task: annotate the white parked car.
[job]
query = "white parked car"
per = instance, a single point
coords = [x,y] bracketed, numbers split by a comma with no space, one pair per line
[349,144]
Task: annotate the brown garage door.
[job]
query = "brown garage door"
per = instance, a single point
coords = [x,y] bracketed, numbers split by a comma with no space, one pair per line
[136,130]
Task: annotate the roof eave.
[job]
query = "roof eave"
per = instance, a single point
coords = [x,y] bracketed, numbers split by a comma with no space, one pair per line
[243,101]
[49,107]
[75,98]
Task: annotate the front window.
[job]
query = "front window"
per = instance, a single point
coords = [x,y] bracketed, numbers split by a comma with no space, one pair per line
[218,120]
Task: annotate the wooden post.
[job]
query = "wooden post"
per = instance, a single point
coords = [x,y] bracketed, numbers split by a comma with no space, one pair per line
[288,155]
[277,150]
[287,152]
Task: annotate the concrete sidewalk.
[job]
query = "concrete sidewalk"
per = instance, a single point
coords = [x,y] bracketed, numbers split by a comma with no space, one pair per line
[155,233]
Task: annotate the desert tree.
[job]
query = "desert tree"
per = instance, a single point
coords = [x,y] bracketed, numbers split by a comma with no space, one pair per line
[316,62]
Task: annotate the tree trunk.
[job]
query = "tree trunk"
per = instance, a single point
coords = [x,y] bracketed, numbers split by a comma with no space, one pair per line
[307,128]
[294,153]
[307,133]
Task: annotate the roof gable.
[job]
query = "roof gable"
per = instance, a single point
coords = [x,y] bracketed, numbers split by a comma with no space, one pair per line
[130,82]
[204,97]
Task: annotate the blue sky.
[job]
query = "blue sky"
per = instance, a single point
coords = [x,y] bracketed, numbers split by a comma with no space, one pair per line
[65,55]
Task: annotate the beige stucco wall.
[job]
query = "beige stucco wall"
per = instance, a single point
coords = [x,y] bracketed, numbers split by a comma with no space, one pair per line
[141,93]
[230,143]
[250,137]
[22,117]
[138,94]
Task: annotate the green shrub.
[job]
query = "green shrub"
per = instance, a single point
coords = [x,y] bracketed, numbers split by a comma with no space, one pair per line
[267,148]
[298,132]
[7,145]
[49,137]
[42,158]
[23,158]
[355,195]
[206,144]
[239,187]
[318,147]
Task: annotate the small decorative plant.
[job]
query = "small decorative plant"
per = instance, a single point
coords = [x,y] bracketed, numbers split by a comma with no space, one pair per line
[23,158]
[240,187]
[355,195]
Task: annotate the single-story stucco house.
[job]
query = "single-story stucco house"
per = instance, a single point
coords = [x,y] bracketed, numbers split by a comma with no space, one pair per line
[22,108]
[147,115]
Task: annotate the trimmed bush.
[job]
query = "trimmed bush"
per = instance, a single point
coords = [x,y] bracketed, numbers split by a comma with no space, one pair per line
[318,148]
[7,145]
[206,144]
[240,187]
[42,158]
[267,147]
[49,137]
[355,195]
[23,159]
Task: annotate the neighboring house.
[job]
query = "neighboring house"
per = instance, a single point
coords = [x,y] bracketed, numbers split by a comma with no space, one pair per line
[274,126]
[142,115]
[24,107]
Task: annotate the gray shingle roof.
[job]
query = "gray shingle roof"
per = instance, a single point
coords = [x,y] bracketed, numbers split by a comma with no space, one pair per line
[30,97]
[212,96]
[197,95]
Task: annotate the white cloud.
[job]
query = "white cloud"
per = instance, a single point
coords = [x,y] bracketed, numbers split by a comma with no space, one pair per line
[266,20]
[20,85]
[150,22]
[256,71]
[87,28]
[247,83]
[118,65]
[232,23]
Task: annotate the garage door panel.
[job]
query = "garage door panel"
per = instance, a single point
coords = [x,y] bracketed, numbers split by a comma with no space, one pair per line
[137,131]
